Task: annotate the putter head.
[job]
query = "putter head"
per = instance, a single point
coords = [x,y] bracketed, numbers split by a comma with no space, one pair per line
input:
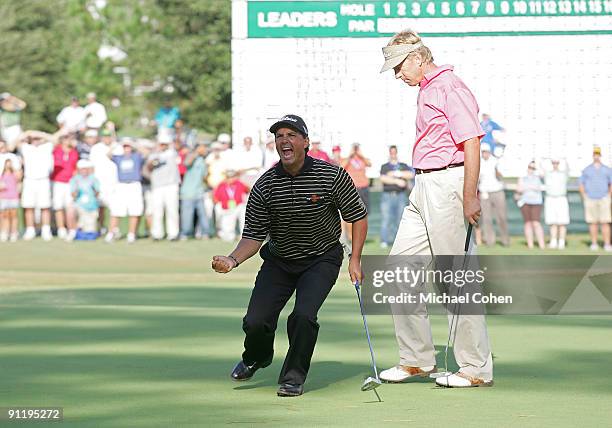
[436,375]
[370,383]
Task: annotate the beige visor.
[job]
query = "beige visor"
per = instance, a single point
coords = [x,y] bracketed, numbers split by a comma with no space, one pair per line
[395,54]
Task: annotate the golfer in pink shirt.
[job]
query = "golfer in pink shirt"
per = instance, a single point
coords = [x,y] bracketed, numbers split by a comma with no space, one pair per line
[446,158]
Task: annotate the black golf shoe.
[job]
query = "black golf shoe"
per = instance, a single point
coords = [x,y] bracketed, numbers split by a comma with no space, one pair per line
[290,390]
[243,372]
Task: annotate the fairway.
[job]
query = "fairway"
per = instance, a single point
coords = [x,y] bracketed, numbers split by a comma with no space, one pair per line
[146,335]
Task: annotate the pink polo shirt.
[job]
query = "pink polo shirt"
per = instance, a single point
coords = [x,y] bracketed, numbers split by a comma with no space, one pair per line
[447,115]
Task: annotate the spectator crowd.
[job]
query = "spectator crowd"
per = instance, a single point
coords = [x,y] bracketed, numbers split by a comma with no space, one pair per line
[82,180]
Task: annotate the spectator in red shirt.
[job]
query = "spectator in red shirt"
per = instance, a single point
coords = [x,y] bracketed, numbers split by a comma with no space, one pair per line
[65,158]
[315,150]
[230,198]
[182,152]
[337,155]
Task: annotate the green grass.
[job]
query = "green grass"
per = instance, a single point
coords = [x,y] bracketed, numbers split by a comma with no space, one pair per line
[146,335]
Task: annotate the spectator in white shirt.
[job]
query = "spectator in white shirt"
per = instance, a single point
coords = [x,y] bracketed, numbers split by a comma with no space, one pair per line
[37,151]
[105,171]
[271,157]
[249,162]
[95,113]
[492,198]
[165,181]
[556,206]
[72,117]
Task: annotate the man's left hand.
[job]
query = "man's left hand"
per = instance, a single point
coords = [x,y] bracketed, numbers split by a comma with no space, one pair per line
[355,270]
[471,209]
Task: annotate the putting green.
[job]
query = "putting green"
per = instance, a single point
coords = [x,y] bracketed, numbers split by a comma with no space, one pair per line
[146,335]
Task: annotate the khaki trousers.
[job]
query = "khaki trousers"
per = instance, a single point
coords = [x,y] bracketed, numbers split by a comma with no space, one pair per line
[494,208]
[433,223]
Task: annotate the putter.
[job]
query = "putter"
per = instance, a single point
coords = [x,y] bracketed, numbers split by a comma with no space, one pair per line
[446,372]
[371,383]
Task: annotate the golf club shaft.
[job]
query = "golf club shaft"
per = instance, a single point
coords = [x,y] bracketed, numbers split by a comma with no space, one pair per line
[377,396]
[455,318]
[365,324]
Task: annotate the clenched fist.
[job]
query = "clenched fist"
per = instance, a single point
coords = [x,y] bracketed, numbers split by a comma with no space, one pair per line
[223,264]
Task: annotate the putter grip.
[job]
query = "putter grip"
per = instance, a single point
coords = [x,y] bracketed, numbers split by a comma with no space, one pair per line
[467,237]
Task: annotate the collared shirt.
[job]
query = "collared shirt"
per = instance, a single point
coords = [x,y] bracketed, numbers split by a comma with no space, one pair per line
[596,181]
[447,115]
[301,214]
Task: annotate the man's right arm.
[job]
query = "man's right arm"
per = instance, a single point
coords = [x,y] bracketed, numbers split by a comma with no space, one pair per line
[245,249]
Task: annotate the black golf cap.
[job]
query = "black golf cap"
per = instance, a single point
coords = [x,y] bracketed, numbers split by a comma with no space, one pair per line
[291,121]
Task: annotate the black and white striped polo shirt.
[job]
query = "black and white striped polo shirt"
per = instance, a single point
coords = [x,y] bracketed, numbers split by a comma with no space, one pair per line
[301,214]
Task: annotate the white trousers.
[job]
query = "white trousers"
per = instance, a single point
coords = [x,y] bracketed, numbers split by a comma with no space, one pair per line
[165,201]
[227,219]
[433,222]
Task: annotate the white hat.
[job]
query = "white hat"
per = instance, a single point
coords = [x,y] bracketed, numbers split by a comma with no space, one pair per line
[91,133]
[84,163]
[164,138]
[91,95]
[128,141]
[224,138]
[485,147]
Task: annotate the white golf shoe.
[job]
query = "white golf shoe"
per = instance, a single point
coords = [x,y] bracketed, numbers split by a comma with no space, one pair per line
[461,380]
[400,373]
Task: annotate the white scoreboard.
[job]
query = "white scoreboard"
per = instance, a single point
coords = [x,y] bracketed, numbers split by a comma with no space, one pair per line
[541,69]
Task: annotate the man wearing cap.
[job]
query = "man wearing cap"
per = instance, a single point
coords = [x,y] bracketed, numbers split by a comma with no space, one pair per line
[297,205]
[105,171]
[126,200]
[492,197]
[446,158]
[596,188]
[165,179]
[336,158]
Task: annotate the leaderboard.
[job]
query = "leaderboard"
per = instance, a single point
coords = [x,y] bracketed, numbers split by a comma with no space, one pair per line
[382,18]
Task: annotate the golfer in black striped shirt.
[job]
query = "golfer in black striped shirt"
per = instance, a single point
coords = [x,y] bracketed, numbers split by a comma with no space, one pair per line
[297,204]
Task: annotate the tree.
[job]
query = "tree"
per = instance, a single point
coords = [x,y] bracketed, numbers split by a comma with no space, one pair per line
[50,53]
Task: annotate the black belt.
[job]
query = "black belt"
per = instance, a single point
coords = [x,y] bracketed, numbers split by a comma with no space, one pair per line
[426,171]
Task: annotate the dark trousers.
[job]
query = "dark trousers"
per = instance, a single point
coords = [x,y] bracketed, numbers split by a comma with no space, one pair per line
[311,279]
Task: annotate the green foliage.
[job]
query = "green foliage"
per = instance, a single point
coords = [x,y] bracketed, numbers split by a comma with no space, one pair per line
[50,53]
